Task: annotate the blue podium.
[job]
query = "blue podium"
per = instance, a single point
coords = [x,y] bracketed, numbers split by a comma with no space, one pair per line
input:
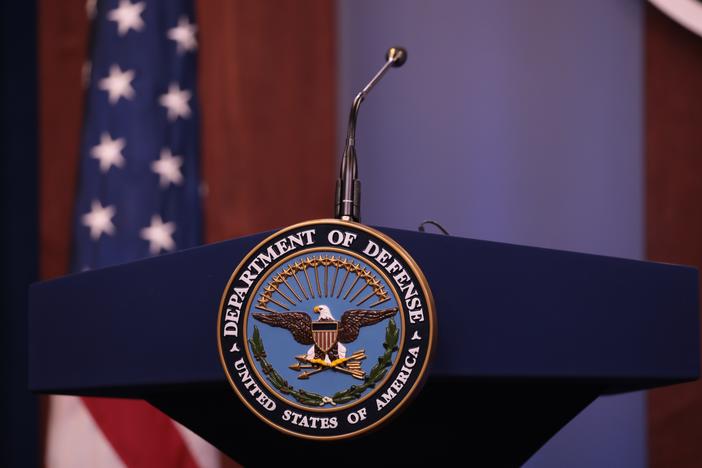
[528,337]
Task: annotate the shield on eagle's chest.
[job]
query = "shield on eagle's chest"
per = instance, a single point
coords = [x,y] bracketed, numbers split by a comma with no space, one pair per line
[325,334]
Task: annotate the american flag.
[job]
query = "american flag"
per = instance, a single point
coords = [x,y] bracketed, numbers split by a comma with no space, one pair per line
[138,196]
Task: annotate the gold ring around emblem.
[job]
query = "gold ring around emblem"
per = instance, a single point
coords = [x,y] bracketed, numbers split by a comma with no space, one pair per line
[418,382]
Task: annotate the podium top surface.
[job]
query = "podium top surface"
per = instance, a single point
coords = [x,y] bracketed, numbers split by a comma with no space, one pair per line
[504,312]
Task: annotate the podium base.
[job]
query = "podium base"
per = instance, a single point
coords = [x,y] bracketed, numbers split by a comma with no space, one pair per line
[452,421]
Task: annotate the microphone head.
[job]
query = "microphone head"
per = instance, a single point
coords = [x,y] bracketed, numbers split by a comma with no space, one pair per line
[398,55]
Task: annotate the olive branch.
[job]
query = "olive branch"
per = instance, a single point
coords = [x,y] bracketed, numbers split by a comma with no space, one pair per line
[375,375]
[282,385]
[378,371]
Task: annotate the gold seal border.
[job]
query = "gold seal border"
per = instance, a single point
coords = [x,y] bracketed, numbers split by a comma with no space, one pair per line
[419,381]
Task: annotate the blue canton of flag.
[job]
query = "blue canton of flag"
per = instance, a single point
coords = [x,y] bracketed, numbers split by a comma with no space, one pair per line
[139,184]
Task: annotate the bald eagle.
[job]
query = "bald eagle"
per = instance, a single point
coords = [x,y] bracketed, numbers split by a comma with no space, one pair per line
[325,334]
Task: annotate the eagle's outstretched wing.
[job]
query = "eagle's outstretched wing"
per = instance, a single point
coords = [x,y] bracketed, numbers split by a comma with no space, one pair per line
[298,323]
[354,319]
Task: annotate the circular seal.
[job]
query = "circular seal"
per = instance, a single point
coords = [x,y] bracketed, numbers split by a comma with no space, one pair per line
[326,329]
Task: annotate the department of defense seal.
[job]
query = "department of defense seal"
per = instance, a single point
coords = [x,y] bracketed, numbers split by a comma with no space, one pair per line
[326,328]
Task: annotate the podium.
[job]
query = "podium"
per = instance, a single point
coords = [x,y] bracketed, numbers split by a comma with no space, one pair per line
[528,337]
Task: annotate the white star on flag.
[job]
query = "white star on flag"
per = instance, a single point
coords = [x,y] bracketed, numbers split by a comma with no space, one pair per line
[99,220]
[118,84]
[168,168]
[176,101]
[159,235]
[127,16]
[108,152]
[184,35]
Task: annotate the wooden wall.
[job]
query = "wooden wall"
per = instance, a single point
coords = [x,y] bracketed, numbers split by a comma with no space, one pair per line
[673,141]
[267,87]
[63,37]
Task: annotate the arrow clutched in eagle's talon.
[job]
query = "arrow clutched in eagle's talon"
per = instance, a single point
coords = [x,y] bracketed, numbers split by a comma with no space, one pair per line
[298,366]
[357,356]
[349,365]
[306,375]
[356,373]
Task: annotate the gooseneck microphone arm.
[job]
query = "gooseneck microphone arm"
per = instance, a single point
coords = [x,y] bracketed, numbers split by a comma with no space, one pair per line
[348,186]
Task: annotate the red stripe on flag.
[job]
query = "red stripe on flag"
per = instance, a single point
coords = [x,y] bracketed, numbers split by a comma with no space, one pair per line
[142,436]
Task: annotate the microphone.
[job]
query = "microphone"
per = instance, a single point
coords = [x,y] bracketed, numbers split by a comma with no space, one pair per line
[348,188]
